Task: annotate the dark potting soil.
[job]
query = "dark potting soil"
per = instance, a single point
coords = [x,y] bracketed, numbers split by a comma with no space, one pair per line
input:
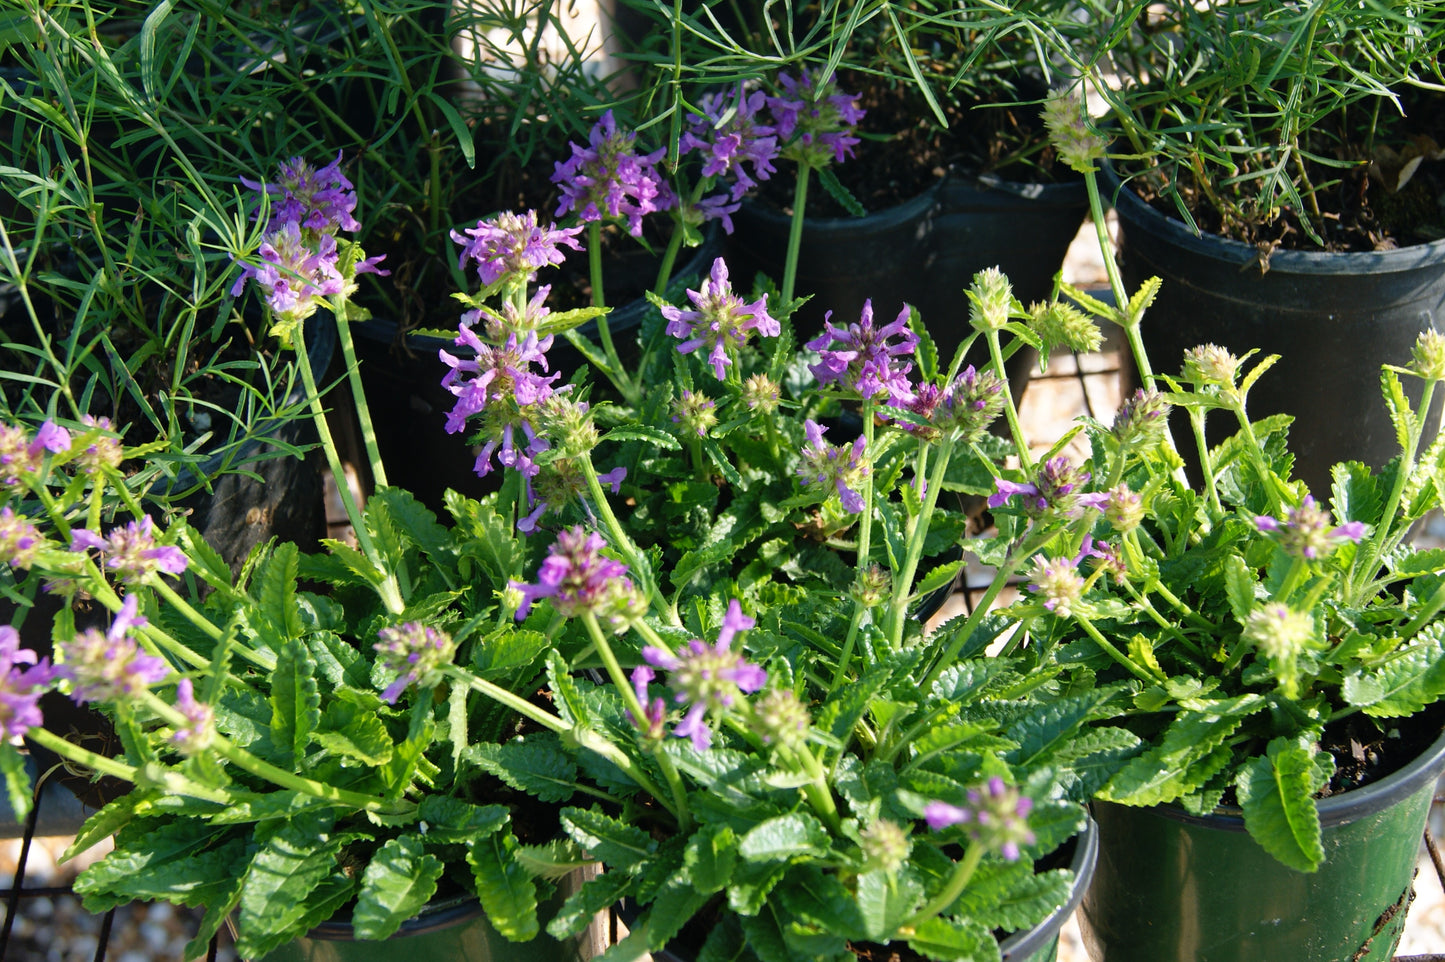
[904,151]
[1363,209]
[1368,749]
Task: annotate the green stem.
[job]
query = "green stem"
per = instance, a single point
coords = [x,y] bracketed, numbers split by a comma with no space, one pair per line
[388,589]
[995,351]
[917,534]
[962,873]
[865,547]
[1116,281]
[636,561]
[92,760]
[509,700]
[358,394]
[1206,466]
[284,779]
[1113,652]
[615,372]
[795,234]
[817,791]
[634,705]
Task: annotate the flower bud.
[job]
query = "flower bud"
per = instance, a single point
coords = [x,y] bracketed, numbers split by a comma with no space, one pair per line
[1062,325]
[1073,135]
[1212,365]
[1058,582]
[885,845]
[696,412]
[1142,418]
[1427,357]
[761,394]
[990,300]
[779,718]
[873,586]
[1124,509]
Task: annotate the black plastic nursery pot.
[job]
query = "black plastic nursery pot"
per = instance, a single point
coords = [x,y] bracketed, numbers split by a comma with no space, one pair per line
[1172,887]
[1037,944]
[1334,319]
[456,930]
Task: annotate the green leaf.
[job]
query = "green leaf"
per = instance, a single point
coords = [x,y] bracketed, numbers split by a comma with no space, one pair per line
[1276,792]
[1184,759]
[612,841]
[351,731]
[830,182]
[710,856]
[451,821]
[400,878]
[218,908]
[885,903]
[554,860]
[946,940]
[276,575]
[1051,727]
[597,894]
[641,432]
[675,904]
[1408,682]
[1355,493]
[784,837]
[751,883]
[937,578]
[295,703]
[536,764]
[508,651]
[1239,586]
[1398,406]
[103,824]
[1142,298]
[337,661]
[820,899]
[188,874]
[466,139]
[293,857]
[503,886]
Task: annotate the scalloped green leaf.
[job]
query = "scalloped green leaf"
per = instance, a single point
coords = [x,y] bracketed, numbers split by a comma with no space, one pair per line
[751,884]
[295,703]
[784,837]
[276,589]
[820,899]
[948,940]
[508,651]
[886,903]
[641,432]
[1408,682]
[292,859]
[1355,493]
[676,902]
[400,878]
[17,781]
[1276,792]
[349,730]
[453,821]
[597,894]
[611,840]
[710,856]
[536,764]
[1176,766]
[506,891]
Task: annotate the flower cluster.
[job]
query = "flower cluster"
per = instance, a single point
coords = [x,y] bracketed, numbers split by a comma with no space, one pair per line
[815,120]
[1307,531]
[109,666]
[609,179]
[131,551]
[721,321]
[866,360]
[995,816]
[302,263]
[578,579]
[415,654]
[1056,491]
[708,679]
[21,455]
[511,245]
[839,467]
[20,687]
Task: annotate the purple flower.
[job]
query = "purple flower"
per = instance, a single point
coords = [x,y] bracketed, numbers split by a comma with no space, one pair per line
[294,278]
[320,200]
[608,179]
[20,688]
[735,145]
[109,666]
[716,207]
[503,374]
[841,467]
[1055,491]
[576,576]
[1058,582]
[195,735]
[132,550]
[696,412]
[19,539]
[860,357]
[102,449]
[654,709]
[815,120]
[721,322]
[21,454]
[708,679]
[1306,532]
[971,403]
[996,817]
[514,245]
[415,654]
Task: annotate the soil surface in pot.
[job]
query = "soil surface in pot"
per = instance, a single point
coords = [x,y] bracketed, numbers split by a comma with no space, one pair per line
[1364,207]
[1367,749]
[904,151]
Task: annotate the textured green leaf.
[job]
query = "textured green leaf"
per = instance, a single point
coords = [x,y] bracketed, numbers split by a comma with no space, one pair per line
[453,821]
[1276,792]
[784,837]
[1028,901]
[886,903]
[751,884]
[597,894]
[276,589]
[17,781]
[1239,586]
[192,875]
[400,878]
[508,651]
[349,730]
[506,892]
[219,905]
[938,577]
[1175,766]
[103,824]
[1051,727]
[337,661]
[553,860]
[327,899]
[641,432]
[1408,682]
[536,764]
[611,840]
[295,703]
[945,940]
[293,857]
[567,697]
[765,938]
[256,808]
[673,907]
[710,856]
[414,520]
[820,899]
[1398,405]
[1356,493]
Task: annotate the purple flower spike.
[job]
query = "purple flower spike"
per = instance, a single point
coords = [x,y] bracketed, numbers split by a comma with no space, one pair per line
[721,322]
[19,539]
[195,736]
[514,245]
[320,200]
[110,666]
[20,687]
[654,709]
[21,454]
[294,278]
[576,576]
[608,179]
[1306,532]
[132,552]
[861,358]
[841,467]
[822,118]
[708,679]
[415,653]
[996,816]
[1056,490]
[737,147]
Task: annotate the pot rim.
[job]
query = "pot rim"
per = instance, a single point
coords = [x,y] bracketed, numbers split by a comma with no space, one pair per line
[1131,207]
[433,917]
[1346,807]
[917,206]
